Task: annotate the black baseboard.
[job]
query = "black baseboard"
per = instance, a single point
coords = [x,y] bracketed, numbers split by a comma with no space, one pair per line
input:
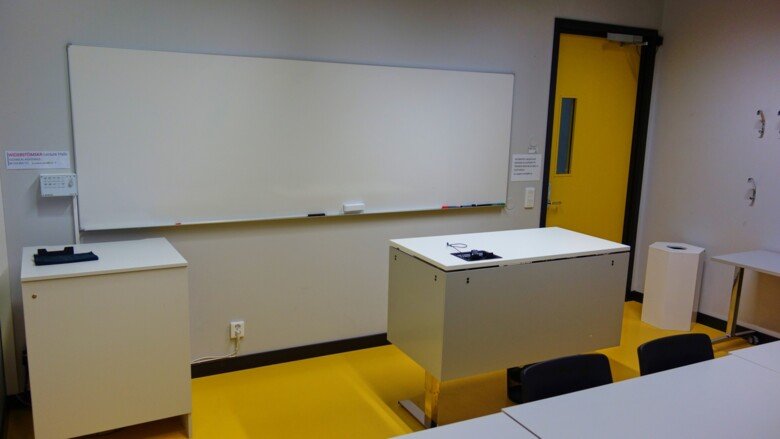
[708,320]
[720,325]
[370,341]
[284,355]
[636,296]
[714,322]
[4,421]
[19,401]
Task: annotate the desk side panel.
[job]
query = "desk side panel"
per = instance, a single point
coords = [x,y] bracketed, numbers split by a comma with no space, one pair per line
[514,315]
[415,312]
[107,351]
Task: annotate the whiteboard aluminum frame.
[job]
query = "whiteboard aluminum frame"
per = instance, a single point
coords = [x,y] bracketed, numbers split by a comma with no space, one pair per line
[278,218]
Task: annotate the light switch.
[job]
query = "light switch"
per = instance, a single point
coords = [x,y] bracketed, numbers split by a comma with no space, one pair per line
[530,194]
[58,185]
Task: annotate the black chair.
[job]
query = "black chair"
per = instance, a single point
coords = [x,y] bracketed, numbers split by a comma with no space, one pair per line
[559,376]
[674,351]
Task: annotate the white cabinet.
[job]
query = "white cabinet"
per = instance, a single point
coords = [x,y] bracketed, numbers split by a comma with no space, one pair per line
[108,340]
[553,292]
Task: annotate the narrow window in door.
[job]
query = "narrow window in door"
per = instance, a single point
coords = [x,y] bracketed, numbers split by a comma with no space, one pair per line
[563,165]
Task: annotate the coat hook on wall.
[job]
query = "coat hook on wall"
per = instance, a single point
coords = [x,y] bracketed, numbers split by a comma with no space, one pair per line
[761,123]
[752,192]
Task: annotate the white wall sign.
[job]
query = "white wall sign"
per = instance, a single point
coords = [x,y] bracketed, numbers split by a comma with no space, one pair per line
[526,167]
[37,160]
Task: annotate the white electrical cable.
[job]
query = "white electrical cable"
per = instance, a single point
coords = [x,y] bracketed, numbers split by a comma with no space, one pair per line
[222,357]
[76,231]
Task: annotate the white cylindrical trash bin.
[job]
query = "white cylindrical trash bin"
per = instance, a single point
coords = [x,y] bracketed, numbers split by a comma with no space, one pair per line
[672,282]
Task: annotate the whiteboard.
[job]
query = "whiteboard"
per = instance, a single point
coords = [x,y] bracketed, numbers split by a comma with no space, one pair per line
[165,138]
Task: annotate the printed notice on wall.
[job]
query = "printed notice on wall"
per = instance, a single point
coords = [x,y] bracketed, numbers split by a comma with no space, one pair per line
[526,167]
[37,160]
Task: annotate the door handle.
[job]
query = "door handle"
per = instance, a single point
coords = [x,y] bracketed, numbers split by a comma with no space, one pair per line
[554,203]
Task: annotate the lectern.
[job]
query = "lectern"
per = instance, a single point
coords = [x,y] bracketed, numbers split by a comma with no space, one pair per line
[550,292]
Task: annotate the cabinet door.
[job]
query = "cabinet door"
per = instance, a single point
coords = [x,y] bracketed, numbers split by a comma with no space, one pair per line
[107,351]
[520,314]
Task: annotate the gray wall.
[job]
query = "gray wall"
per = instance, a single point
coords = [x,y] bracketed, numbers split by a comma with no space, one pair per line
[294,282]
[720,62]
[7,362]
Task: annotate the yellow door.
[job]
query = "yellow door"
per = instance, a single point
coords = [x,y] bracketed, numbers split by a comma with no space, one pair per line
[593,123]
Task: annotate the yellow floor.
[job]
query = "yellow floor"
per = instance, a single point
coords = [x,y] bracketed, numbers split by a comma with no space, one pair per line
[349,395]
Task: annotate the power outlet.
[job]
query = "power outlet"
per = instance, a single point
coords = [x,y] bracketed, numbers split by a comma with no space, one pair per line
[237,329]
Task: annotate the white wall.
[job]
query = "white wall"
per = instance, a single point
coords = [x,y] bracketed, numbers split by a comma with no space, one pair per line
[294,282]
[720,62]
[7,363]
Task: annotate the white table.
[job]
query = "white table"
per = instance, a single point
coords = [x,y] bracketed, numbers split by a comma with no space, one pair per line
[521,246]
[498,426]
[761,261]
[723,398]
[553,292]
[766,355]
[108,340]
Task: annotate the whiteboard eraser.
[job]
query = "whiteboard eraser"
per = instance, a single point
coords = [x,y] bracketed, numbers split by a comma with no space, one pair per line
[354,207]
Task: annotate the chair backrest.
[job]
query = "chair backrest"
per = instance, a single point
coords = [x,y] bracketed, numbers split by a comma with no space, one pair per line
[674,351]
[564,375]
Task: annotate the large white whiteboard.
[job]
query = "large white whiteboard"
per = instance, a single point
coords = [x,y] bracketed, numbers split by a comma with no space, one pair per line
[165,138]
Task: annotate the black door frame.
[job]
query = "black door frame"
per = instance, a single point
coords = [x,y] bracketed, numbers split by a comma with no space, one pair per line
[641,118]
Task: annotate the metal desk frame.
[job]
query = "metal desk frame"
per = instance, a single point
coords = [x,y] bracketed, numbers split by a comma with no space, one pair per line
[761,261]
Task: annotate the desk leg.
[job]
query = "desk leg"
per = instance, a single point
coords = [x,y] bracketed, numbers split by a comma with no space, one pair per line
[428,416]
[187,421]
[736,293]
[432,387]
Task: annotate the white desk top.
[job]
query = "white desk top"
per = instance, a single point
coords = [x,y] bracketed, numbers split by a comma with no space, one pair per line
[114,257]
[766,355]
[758,260]
[723,398]
[498,426]
[514,247]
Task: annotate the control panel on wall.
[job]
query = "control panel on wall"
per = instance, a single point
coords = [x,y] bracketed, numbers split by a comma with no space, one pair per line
[59,185]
